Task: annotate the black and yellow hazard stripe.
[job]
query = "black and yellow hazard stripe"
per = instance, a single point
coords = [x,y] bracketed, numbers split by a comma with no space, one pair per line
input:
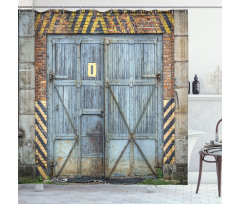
[95,22]
[169,131]
[41,137]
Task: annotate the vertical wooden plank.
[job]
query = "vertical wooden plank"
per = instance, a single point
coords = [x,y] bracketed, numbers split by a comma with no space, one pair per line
[80,102]
[78,106]
[53,128]
[131,100]
[66,121]
[50,101]
[106,107]
[159,101]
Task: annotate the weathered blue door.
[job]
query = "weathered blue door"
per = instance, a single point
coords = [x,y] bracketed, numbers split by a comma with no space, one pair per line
[133,110]
[75,106]
[104,105]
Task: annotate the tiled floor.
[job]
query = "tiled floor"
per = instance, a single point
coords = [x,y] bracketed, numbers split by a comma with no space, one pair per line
[109,193]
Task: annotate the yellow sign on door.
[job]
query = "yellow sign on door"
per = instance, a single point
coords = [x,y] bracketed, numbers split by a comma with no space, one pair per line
[92,69]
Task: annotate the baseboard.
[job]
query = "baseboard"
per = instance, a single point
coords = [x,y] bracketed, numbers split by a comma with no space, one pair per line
[207,177]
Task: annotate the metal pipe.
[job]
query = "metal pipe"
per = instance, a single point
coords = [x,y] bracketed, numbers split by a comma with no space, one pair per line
[117,7]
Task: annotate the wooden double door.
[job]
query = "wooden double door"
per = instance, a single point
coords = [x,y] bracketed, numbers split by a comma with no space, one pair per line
[104,105]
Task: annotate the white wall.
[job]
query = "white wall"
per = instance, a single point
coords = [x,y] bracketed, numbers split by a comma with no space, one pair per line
[203,115]
[205,46]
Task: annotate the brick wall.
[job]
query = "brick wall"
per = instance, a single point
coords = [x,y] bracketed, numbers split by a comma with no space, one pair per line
[40,68]
[168,66]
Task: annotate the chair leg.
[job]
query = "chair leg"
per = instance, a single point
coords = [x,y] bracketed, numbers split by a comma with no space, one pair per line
[219,175]
[217,165]
[200,174]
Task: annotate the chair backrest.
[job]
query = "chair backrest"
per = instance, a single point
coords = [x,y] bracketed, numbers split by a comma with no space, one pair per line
[218,137]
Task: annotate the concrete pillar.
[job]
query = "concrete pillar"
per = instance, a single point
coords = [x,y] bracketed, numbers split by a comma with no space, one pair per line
[181,92]
[26,141]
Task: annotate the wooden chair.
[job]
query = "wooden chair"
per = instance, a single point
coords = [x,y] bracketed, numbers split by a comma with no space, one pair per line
[218,160]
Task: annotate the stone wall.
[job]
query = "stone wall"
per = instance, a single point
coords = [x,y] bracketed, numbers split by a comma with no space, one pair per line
[26,141]
[181,92]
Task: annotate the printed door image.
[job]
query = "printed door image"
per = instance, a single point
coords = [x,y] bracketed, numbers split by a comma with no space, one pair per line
[133,110]
[76,107]
[104,105]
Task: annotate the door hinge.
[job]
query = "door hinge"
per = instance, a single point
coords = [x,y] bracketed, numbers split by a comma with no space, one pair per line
[52,77]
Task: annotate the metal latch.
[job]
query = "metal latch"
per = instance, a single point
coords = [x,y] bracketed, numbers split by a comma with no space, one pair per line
[101,114]
[158,75]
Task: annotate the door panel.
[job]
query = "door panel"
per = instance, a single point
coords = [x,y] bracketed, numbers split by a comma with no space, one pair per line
[92,105]
[66,61]
[64,69]
[76,106]
[132,116]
